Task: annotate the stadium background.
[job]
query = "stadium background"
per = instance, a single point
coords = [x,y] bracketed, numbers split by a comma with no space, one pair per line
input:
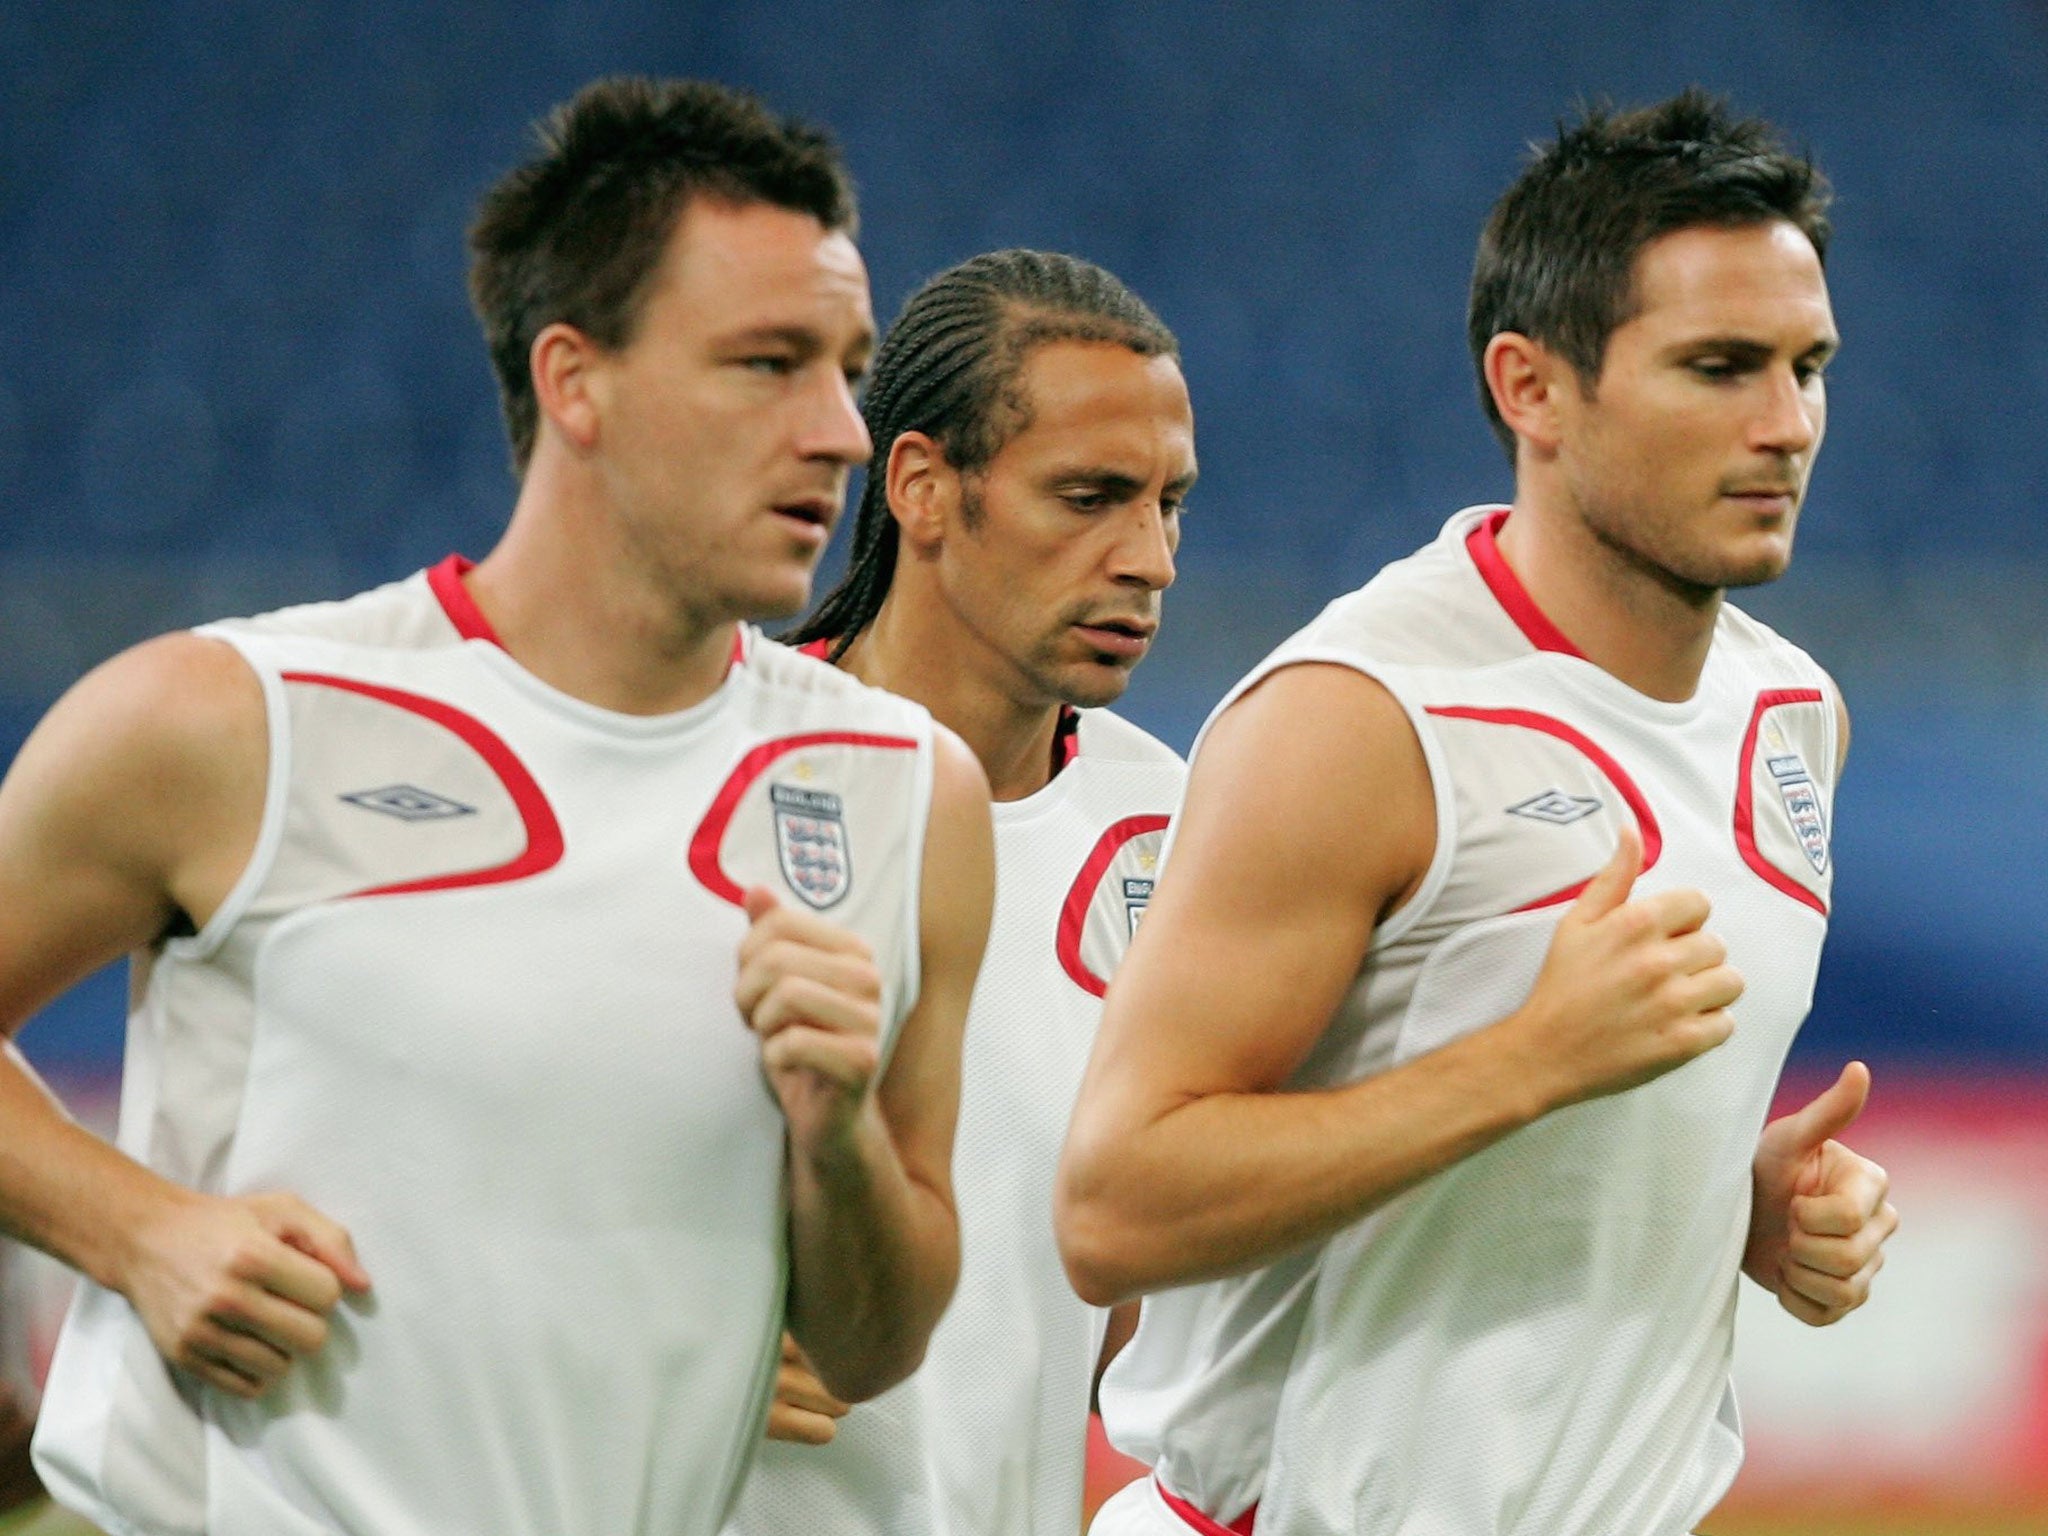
[242,372]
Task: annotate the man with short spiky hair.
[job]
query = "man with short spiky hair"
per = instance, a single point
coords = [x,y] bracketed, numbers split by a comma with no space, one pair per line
[1034,450]
[534,936]
[1432,1081]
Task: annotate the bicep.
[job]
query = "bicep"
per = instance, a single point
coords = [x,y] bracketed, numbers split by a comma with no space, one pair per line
[920,1092]
[1309,813]
[118,810]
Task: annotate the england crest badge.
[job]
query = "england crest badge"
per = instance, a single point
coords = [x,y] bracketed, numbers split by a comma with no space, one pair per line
[1802,804]
[810,842]
[1137,893]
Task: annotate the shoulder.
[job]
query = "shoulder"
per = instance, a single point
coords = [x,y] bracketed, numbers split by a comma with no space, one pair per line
[808,680]
[400,615]
[1748,639]
[1434,608]
[181,695]
[1744,636]
[150,755]
[1109,738]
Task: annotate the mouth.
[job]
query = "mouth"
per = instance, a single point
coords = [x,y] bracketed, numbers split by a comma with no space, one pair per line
[1126,639]
[813,516]
[1770,500]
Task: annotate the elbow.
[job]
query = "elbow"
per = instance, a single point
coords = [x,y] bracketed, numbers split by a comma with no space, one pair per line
[854,1381]
[1095,1246]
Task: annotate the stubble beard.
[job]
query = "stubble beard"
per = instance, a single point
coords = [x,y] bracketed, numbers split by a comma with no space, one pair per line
[1649,546]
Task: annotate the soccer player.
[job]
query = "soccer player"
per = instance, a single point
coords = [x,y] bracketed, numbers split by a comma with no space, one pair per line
[1034,447]
[1496,900]
[527,938]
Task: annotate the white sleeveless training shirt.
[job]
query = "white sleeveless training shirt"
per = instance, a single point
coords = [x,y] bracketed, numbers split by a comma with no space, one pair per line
[1534,1342]
[989,1437]
[472,998]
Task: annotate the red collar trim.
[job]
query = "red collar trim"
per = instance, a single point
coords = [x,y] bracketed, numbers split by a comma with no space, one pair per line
[1066,736]
[446,581]
[1244,1525]
[1508,591]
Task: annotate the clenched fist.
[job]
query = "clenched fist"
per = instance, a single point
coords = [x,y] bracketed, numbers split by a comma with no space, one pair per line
[234,1289]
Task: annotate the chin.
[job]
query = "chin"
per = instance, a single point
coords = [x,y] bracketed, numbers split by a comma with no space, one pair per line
[1764,567]
[1093,687]
[777,602]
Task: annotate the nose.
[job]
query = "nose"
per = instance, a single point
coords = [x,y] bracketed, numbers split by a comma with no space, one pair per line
[1143,556]
[836,429]
[1793,413]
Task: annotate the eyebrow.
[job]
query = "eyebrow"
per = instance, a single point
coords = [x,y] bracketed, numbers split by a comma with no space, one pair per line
[1115,482]
[800,338]
[1745,349]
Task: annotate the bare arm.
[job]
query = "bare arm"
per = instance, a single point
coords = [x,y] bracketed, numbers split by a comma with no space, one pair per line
[1186,1159]
[139,797]
[874,1241]
[1819,1215]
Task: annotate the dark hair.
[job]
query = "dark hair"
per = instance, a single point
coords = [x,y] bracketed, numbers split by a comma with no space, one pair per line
[949,367]
[1557,257]
[577,233]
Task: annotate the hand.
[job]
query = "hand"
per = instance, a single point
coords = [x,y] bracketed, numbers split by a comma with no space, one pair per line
[234,1290]
[811,991]
[1629,989]
[1819,1218]
[803,1412]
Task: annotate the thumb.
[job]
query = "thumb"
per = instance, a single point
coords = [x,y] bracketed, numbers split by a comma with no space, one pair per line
[330,1244]
[1612,882]
[1832,1112]
[758,902]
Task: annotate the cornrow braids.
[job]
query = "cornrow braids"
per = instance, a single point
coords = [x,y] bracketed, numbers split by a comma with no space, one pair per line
[950,367]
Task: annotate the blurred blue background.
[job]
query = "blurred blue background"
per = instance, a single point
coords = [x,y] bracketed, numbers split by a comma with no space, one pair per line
[243,371]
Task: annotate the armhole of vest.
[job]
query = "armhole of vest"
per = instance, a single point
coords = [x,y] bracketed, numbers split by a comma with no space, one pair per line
[1441,789]
[270,834]
[910,983]
[1831,731]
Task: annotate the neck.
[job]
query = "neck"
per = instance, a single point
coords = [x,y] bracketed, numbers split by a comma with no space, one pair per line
[578,611]
[1626,617]
[912,658]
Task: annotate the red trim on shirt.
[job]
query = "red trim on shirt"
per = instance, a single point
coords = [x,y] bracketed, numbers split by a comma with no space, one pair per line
[1508,591]
[1197,1521]
[1074,914]
[450,591]
[543,832]
[820,648]
[1745,806]
[1066,738]
[710,833]
[446,581]
[1528,719]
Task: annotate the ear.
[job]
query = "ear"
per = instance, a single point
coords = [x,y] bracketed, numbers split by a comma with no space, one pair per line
[568,385]
[924,490]
[1526,380]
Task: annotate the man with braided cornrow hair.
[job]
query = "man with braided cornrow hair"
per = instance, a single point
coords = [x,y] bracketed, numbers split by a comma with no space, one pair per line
[1034,447]
[534,936]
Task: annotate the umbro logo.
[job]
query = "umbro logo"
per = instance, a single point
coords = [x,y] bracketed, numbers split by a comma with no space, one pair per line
[409,803]
[1556,807]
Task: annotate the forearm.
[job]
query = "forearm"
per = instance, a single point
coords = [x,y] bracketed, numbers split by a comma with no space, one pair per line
[874,1253]
[63,1189]
[1228,1181]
